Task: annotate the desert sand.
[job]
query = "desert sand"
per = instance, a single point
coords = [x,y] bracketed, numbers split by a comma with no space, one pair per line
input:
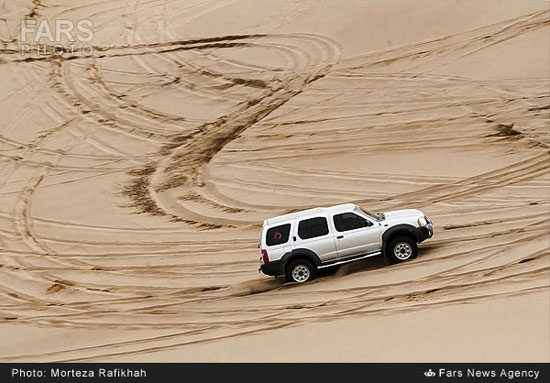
[134,180]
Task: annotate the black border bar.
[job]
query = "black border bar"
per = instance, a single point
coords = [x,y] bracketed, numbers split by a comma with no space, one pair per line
[267,372]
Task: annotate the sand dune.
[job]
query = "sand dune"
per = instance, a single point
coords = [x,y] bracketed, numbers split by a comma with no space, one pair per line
[134,181]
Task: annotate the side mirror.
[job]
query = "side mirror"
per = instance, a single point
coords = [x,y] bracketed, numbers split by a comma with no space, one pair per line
[369,223]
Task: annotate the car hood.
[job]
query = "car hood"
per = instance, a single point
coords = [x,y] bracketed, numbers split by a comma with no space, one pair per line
[399,214]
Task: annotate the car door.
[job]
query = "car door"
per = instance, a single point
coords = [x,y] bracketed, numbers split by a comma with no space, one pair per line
[315,234]
[356,234]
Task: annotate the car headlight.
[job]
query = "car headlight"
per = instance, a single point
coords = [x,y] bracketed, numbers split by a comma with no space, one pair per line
[422,222]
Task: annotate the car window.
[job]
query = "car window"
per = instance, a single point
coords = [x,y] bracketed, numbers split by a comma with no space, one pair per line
[277,235]
[368,213]
[349,221]
[313,227]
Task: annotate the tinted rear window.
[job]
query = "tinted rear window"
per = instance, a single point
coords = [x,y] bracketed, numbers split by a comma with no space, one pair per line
[313,227]
[277,235]
[349,221]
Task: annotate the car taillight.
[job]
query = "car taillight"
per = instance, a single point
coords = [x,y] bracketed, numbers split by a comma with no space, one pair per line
[264,256]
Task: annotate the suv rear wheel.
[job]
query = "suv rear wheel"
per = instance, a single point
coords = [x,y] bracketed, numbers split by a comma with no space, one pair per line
[300,271]
[402,249]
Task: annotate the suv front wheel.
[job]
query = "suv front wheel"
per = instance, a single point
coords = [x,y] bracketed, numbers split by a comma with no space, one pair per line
[402,249]
[300,271]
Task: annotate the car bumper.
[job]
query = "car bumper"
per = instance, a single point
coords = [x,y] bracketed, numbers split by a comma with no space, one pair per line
[272,268]
[425,233]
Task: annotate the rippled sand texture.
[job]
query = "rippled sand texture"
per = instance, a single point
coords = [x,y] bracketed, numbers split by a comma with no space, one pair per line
[134,182]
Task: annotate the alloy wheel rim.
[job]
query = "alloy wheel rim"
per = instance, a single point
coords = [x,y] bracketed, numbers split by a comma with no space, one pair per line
[300,273]
[402,250]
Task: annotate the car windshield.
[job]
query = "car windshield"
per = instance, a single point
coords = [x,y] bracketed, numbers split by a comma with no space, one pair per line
[368,213]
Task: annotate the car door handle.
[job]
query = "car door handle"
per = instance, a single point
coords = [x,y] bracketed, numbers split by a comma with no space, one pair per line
[340,237]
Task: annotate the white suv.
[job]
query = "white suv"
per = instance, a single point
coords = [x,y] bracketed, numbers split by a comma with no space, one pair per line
[296,245]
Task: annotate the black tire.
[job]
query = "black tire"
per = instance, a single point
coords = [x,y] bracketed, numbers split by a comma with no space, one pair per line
[401,249]
[300,271]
